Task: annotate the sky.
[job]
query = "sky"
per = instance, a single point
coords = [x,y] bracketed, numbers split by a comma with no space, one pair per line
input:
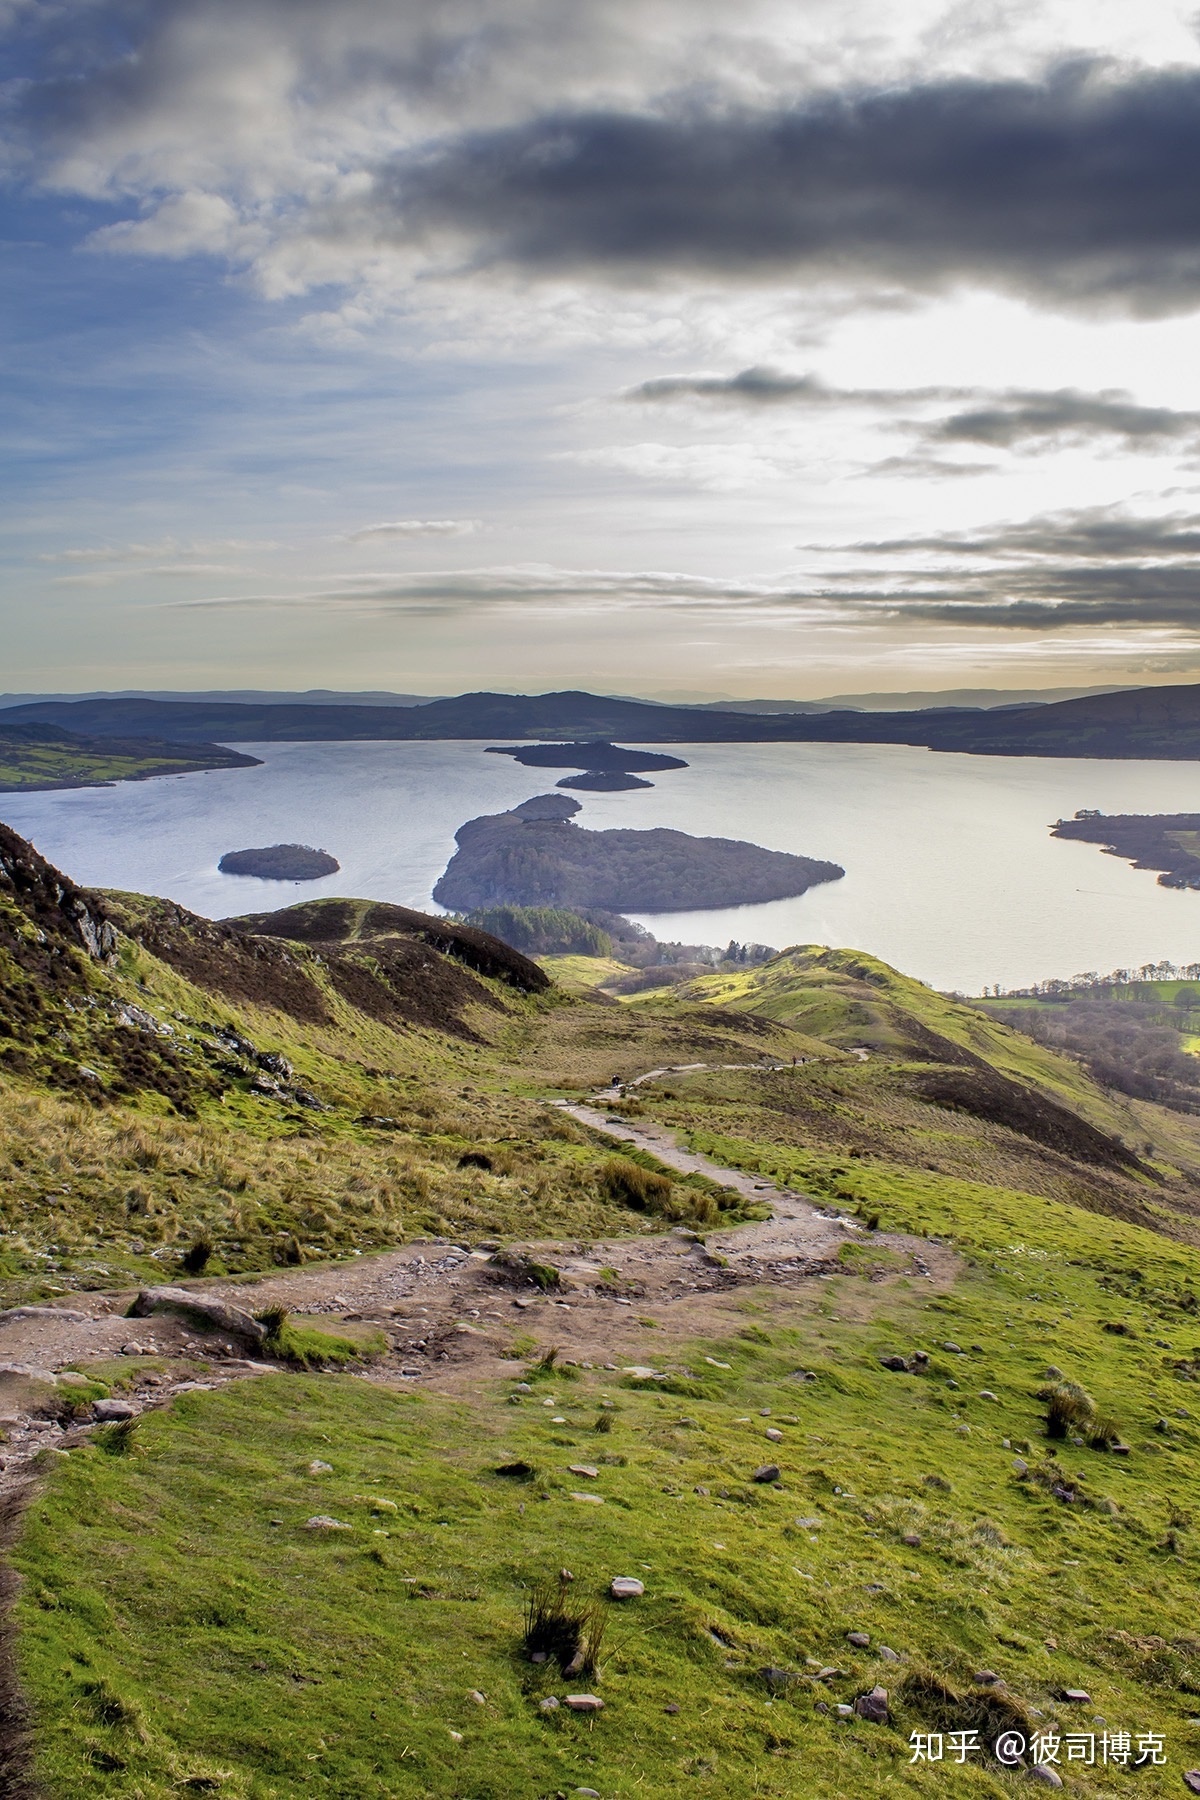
[658,347]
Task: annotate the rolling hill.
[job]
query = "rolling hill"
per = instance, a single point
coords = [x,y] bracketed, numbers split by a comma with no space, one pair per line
[521,1320]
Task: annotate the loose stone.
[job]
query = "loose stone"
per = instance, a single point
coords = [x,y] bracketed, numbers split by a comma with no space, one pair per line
[626,1587]
[584,1703]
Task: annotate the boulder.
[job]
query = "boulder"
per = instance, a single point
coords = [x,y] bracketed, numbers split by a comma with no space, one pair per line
[873,1706]
[768,1472]
[202,1312]
[106,1410]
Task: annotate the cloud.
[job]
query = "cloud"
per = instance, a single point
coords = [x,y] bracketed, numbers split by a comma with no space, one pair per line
[1095,567]
[1080,189]
[180,553]
[370,144]
[755,387]
[531,585]
[416,528]
[1038,418]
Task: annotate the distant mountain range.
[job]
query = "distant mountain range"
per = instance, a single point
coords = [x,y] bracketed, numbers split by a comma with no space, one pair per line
[1159,722]
[903,702]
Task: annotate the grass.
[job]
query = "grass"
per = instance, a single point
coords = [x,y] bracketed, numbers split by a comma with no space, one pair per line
[180,1625]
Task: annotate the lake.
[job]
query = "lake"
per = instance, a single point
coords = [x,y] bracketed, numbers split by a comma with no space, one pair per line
[951,872]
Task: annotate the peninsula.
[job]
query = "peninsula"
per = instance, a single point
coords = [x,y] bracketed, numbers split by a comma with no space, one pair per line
[35,757]
[535,856]
[280,862]
[1169,842]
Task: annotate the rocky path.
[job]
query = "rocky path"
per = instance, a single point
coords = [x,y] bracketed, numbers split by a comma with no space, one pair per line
[448,1311]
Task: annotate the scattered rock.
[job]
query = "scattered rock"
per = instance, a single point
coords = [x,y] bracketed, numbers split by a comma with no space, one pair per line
[912,1539]
[779,1680]
[584,1703]
[475,1695]
[987,1394]
[539,1656]
[1020,1467]
[873,1706]
[589,1499]
[583,1469]
[200,1311]
[860,1639]
[114,1409]
[989,1678]
[322,1522]
[919,1361]
[768,1472]
[317,1467]
[456,1735]
[1077,1696]
[774,1435]
[843,1711]
[671,1707]
[626,1587]
[898,1364]
[594,1793]
[1047,1776]
[549,1704]
[954,1349]
[887,1655]
[1191,1780]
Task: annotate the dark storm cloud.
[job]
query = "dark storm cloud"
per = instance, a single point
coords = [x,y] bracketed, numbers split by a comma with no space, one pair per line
[1083,188]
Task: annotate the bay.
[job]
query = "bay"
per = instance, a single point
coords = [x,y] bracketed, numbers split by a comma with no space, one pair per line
[951,872]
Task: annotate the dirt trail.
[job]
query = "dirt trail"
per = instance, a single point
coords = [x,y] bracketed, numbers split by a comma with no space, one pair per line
[449,1311]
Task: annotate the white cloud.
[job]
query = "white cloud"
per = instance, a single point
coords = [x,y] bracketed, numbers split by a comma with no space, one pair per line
[416,528]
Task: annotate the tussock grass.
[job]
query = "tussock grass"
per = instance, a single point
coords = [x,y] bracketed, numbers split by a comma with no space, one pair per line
[564,1626]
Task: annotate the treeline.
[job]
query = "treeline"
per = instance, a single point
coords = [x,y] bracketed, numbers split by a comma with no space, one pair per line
[1092,983]
[560,931]
[1124,1044]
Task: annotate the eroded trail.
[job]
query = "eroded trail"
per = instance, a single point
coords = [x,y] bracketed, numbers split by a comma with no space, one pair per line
[449,1312]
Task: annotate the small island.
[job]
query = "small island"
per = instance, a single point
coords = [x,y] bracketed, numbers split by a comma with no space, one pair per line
[535,856]
[1169,842]
[280,862]
[597,754]
[603,781]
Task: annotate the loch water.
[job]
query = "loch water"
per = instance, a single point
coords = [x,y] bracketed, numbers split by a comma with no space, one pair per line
[951,872]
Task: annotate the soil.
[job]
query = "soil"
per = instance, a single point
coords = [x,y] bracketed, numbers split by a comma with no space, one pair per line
[449,1312]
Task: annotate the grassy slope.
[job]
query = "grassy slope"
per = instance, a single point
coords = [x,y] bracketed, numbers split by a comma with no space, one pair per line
[81,1185]
[173,1634]
[178,1623]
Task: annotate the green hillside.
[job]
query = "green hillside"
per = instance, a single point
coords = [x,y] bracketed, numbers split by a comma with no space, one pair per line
[321,1101]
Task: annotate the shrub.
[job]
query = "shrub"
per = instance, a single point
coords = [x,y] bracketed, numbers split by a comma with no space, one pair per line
[1068,1408]
[196,1258]
[631,1185]
[571,1634]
